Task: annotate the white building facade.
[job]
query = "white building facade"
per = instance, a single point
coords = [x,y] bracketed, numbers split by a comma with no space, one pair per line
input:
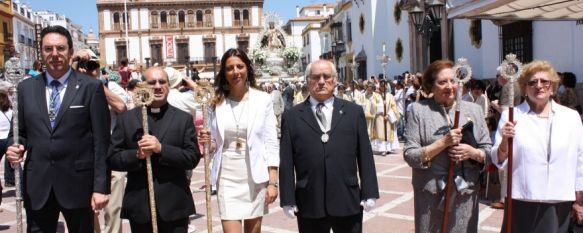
[176,32]
[304,30]
[24,33]
[556,41]
[49,18]
[369,30]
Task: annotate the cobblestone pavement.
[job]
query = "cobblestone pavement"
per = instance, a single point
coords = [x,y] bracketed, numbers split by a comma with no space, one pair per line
[393,212]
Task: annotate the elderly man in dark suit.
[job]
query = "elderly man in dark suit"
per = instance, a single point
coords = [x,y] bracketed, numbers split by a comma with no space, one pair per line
[324,152]
[172,148]
[64,128]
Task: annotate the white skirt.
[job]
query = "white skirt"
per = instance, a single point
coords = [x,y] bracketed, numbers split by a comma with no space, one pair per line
[238,196]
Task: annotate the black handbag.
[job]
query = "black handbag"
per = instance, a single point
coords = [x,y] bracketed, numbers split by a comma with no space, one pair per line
[468,134]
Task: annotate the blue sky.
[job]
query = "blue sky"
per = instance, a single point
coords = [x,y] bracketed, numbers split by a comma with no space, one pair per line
[84,12]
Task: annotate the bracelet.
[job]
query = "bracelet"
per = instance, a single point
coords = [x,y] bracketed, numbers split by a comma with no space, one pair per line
[424,157]
[274,184]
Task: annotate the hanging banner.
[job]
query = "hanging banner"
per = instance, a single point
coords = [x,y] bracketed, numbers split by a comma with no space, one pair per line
[169,47]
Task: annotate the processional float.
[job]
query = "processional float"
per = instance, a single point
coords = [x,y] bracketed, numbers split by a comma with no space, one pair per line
[462,73]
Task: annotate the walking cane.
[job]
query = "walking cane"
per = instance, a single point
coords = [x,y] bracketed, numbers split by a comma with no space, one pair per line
[462,72]
[511,69]
[204,95]
[142,98]
[14,75]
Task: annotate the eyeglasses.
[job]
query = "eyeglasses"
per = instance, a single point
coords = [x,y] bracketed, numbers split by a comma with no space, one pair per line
[59,48]
[317,77]
[159,81]
[543,82]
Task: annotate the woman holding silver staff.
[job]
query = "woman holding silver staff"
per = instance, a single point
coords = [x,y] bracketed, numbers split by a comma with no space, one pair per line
[430,145]
[244,142]
[547,155]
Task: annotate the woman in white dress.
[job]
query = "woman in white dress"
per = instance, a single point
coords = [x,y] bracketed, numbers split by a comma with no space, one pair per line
[244,140]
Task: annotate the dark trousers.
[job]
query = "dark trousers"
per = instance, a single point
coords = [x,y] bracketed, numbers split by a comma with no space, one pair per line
[3,146]
[177,226]
[45,220]
[348,224]
[534,217]
[8,172]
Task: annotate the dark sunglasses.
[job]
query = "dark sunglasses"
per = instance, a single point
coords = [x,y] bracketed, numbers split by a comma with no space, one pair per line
[543,82]
[153,81]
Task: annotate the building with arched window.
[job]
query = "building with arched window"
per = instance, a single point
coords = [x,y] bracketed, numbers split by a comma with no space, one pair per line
[176,32]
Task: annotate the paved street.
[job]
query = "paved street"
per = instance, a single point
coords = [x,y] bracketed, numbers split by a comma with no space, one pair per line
[392,213]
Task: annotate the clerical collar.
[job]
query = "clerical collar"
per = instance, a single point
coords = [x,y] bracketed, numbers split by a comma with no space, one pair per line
[158,110]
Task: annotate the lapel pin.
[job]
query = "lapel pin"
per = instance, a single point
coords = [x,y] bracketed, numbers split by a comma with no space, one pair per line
[77,86]
[341,112]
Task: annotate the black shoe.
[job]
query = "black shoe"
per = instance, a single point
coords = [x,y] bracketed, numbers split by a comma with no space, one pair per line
[8,184]
[214,192]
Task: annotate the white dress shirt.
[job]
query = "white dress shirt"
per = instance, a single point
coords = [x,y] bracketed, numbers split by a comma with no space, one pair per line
[537,174]
[327,110]
[49,89]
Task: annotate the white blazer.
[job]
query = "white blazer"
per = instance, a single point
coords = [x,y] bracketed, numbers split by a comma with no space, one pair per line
[261,135]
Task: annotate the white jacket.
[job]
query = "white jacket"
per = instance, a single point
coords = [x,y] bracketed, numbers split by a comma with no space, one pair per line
[261,135]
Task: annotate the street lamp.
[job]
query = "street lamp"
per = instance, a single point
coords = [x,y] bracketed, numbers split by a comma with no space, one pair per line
[337,45]
[425,15]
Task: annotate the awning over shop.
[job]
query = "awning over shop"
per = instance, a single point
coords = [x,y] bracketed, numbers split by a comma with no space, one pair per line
[518,9]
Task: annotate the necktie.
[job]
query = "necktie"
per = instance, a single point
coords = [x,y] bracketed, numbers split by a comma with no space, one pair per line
[54,101]
[320,114]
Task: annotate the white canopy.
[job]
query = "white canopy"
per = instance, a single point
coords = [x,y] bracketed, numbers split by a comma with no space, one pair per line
[518,10]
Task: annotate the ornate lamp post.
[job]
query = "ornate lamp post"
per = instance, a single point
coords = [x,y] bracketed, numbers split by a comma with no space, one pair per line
[338,47]
[426,17]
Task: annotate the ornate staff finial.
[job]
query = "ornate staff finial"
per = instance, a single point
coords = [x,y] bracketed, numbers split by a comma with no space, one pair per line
[204,92]
[511,67]
[144,95]
[462,70]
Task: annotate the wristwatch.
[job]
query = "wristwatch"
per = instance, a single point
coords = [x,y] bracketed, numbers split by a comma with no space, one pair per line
[275,184]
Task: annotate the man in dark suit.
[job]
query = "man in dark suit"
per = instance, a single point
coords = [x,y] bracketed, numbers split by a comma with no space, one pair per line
[325,151]
[63,124]
[171,145]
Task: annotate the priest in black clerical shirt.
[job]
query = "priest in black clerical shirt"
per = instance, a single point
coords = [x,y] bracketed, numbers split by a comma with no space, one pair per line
[171,145]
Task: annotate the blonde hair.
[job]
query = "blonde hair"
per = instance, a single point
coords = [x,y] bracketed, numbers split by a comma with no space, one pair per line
[534,67]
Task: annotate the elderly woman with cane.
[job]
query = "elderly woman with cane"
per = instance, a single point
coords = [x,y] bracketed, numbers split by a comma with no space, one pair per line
[432,142]
[547,155]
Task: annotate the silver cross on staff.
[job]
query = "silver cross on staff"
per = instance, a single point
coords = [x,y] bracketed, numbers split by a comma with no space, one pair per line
[143,96]
[511,70]
[462,73]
